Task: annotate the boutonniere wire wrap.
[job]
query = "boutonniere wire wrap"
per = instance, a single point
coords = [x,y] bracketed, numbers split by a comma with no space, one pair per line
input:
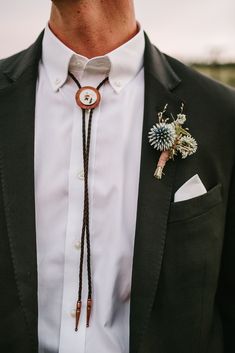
[171,139]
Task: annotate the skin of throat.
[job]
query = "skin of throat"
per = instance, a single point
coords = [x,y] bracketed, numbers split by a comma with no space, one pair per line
[93,27]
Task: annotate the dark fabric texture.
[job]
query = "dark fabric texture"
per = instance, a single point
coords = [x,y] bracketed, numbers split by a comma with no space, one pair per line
[183,281]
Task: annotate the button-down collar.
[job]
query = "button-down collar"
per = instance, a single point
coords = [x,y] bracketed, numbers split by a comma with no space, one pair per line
[121,64]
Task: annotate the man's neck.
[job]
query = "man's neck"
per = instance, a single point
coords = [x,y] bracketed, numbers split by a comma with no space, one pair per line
[93,28]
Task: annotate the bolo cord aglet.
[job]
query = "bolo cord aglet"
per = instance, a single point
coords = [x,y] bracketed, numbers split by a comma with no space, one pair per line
[88,311]
[78,313]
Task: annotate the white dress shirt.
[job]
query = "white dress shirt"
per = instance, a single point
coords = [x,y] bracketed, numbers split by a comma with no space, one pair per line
[114,167]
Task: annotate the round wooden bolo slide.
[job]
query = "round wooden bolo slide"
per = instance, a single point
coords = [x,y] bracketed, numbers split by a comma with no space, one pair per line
[88,97]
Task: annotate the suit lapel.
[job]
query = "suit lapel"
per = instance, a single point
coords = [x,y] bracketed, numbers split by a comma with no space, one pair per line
[17,172]
[154,197]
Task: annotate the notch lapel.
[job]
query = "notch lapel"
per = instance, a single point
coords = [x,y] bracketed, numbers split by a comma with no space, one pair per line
[17,176]
[154,196]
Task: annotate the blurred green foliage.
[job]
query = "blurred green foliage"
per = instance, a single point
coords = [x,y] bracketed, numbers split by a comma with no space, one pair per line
[220,72]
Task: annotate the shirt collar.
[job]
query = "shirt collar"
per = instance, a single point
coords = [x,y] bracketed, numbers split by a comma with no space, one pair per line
[126,61]
[121,64]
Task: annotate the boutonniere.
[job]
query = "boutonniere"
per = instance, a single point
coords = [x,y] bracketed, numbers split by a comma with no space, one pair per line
[171,138]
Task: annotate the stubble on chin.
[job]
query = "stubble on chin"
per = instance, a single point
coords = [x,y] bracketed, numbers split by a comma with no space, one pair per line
[56,2]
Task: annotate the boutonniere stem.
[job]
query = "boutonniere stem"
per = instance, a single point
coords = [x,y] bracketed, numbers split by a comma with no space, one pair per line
[161,164]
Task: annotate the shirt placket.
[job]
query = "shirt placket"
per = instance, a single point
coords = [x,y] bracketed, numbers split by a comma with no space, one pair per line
[71,341]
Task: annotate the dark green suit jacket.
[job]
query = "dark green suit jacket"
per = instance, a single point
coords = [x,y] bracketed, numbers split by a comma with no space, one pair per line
[183,283]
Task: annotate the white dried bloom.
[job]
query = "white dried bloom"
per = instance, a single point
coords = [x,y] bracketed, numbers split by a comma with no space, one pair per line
[187,146]
[181,118]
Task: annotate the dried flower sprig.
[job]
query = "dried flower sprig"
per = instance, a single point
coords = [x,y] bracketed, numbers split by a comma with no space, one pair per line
[171,138]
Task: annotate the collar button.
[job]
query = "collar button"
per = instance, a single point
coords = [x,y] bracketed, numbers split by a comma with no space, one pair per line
[118,84]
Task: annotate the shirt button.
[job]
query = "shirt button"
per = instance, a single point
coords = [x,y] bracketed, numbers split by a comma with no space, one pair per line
[57,81]
[73,313]
[80,175]
[79,64]
[77,245]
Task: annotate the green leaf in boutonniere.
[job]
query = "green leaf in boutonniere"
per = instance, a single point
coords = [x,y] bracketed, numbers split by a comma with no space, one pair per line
[171,138]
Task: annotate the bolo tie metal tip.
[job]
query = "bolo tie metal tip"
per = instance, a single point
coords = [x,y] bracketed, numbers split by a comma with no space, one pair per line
[88,311]
[78,313]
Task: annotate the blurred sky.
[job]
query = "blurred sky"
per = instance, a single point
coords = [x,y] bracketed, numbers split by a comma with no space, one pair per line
[187,29]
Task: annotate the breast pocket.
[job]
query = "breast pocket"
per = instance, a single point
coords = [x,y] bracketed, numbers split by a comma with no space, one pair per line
[187,209]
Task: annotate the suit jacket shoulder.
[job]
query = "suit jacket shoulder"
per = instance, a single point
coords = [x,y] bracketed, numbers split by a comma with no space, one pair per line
[204,87]
[13,67]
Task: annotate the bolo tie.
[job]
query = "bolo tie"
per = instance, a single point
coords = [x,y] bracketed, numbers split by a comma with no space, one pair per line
[87,98]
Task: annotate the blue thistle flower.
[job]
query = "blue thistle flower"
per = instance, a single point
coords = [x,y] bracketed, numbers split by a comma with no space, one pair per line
[162,136]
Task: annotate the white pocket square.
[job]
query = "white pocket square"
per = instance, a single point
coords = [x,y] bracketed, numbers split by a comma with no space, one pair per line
[191,188]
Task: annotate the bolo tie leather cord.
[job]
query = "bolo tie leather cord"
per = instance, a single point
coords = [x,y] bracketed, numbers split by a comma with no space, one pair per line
[87,98]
